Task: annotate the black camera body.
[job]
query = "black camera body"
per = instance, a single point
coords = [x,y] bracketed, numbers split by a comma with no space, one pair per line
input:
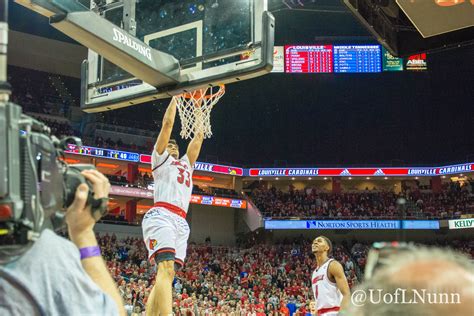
[36,184]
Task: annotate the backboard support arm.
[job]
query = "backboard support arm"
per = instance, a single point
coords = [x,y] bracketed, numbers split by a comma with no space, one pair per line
[113,43]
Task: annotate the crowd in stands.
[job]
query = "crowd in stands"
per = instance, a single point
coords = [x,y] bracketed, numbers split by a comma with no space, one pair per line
[58,128]
[261,279]
[120,145]
[452,202]
[112,118]
[35,93]
[213,191]
[118,180]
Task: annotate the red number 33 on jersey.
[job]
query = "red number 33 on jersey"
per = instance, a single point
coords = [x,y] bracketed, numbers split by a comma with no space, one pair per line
[184,177]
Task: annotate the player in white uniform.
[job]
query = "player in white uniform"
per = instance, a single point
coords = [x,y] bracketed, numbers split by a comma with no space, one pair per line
[329,283]
[165,230]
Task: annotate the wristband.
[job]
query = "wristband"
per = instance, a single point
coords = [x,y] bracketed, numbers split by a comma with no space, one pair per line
[88,252]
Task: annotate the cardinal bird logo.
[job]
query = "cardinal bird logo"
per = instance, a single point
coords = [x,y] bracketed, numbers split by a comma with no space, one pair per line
[152,244]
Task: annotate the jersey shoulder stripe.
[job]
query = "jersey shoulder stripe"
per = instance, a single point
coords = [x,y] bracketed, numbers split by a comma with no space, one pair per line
[161,164]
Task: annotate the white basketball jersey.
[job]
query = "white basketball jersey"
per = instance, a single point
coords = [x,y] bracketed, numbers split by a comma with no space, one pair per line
[326,293]
[173,179]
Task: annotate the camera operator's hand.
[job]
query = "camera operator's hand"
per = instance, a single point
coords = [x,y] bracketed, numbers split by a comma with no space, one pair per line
[78,216]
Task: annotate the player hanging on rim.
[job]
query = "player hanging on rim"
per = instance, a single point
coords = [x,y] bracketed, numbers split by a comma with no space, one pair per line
[329,282]
[165,230]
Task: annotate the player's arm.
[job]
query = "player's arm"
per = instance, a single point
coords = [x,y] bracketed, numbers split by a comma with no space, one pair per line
[166,128]
[194,147]
[337,272]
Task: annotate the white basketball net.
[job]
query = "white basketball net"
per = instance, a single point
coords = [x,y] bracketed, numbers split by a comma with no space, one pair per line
[195,108]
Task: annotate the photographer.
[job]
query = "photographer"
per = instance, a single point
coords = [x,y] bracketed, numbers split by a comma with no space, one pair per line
[59,277]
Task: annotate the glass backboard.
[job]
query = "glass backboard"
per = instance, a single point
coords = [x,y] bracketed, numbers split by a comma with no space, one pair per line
[140,50]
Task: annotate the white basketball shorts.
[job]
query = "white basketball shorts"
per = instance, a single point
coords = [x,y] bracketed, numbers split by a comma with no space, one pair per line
[166,235]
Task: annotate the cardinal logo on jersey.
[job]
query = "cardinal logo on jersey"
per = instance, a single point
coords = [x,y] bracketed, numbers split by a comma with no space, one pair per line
[318,278]
[152,244]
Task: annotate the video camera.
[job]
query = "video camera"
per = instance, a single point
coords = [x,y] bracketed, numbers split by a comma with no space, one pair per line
[36,184]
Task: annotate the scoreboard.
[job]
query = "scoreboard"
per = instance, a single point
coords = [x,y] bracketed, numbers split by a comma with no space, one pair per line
[308,59]
[357,58]
[103,153]
[333,58]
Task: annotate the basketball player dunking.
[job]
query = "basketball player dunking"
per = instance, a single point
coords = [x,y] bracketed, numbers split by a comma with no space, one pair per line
[165,230]
[329,282]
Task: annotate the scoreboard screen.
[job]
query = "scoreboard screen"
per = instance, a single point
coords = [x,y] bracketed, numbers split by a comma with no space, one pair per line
[103,153]
[333,58]
[308,59]
[357,58]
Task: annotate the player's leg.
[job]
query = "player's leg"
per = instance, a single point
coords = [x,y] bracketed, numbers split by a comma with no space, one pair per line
[160,238]
[163,299]
[181,242]
[161,296]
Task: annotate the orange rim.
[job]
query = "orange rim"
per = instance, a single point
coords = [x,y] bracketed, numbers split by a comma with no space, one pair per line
[198,94]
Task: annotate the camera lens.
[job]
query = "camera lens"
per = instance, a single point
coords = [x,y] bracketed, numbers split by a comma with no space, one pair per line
[72,179]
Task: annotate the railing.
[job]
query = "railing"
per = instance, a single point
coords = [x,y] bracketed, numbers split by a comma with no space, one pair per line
[144,185]
[125,130]
[268,216]
[115,222]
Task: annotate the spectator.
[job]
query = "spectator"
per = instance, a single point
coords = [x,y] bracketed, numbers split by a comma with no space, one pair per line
[57,273]
[426,271]
[451,203]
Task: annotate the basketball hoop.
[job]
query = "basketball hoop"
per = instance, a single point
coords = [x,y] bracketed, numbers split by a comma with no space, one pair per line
[195,108]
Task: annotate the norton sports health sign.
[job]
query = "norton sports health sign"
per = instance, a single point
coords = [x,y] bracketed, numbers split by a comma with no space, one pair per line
[351,224]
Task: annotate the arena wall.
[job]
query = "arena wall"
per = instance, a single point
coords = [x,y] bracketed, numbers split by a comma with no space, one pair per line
[121,231]
[371,235]
[218,223]
[43,54]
